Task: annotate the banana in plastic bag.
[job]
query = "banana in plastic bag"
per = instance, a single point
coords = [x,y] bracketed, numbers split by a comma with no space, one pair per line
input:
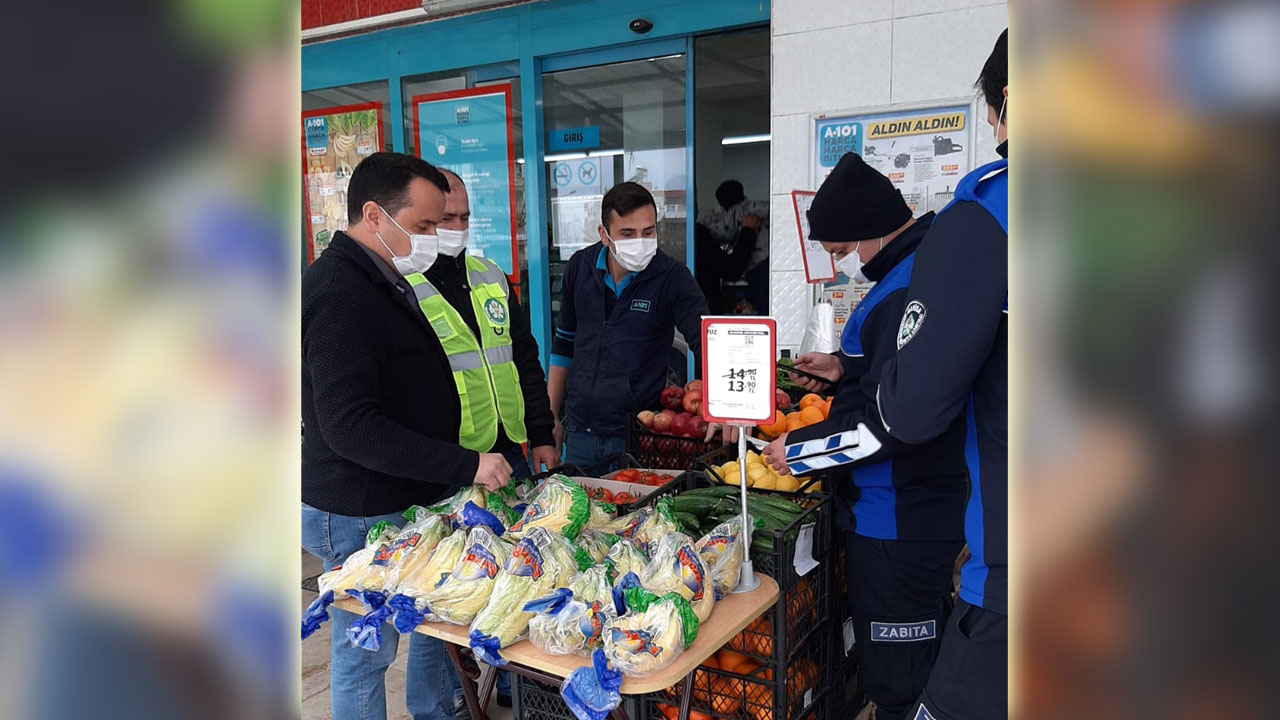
[465,591]
[677,567]
[539,563]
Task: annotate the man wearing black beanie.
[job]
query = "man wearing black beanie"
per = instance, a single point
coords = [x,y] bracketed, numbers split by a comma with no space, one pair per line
[904,523]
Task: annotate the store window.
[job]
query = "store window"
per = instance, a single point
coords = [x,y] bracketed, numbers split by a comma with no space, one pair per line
[469,121]
[605,125]
[340,127]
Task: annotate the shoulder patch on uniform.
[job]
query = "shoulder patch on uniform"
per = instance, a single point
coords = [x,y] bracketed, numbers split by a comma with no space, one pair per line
[496,312]
[912,318]
[923,714]
[640,305]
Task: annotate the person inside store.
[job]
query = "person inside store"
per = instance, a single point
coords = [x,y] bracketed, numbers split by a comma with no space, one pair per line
[726,222]
[383,427]
[714,264]
[621,303]
[952,363]
[900,506]
[470,284]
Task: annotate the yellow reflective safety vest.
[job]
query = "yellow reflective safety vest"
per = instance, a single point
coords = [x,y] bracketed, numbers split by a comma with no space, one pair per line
[484,369]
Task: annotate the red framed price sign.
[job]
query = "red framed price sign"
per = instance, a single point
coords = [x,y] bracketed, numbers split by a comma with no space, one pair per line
[738,372]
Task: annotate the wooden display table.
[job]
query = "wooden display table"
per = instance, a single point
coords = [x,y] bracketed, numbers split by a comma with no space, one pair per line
[733,613]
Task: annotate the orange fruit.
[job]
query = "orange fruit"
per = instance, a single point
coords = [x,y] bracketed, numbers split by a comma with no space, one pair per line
[794,422]
[810,399]
[811,415]
[671,712]
[726,696]
[732,661]
[777,427]
[826,408]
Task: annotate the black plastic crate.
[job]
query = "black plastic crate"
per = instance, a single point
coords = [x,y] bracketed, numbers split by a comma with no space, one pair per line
[801,611]
[660,450]
[534,700]
[791,690]
[681,481]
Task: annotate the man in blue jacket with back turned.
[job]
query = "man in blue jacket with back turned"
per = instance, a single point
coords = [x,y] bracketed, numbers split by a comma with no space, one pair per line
[620,303]
[903,508]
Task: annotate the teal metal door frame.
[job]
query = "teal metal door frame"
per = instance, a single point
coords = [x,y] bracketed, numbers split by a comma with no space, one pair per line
[536,38]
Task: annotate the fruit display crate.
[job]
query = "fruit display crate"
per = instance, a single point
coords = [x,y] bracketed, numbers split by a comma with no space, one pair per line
[736,687]
[809,535]
[712,461]
[844,661]
[681,481]
[534,700]
[801,612]
[660,450]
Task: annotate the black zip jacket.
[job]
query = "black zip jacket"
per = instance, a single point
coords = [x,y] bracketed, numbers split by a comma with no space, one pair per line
[380,411]
[616,346]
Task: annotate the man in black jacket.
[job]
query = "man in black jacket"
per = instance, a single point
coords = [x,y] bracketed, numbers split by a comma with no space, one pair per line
[621,301]
[380,410]
[904,522]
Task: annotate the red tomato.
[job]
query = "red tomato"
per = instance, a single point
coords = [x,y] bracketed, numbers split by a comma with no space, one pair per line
[629,475]
[623,498]
[605,495]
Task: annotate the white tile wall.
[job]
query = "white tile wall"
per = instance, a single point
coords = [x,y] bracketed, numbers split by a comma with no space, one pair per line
[837,68]
[784,238]
[791,16]
[789,296]
[908,8]
[835,55]
[789,161]
[939,56]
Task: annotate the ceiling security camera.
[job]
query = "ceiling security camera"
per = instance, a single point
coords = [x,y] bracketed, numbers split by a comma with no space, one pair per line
[640,26]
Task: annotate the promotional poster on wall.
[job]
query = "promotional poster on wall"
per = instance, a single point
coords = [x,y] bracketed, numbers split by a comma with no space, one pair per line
[334,140]
[923,152]
[471,133]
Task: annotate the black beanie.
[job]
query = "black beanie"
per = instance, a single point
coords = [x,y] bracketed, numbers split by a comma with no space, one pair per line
[856,202]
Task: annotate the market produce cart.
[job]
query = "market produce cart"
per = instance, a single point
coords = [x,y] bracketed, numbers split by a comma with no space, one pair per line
[732,614]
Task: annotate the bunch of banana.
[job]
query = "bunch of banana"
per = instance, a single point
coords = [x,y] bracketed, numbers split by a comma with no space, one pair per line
[343,145]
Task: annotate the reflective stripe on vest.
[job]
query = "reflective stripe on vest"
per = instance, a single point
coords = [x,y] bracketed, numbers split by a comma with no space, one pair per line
[484,370]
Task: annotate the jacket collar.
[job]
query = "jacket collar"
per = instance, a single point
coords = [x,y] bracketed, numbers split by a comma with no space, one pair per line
[344,246]
[898,250]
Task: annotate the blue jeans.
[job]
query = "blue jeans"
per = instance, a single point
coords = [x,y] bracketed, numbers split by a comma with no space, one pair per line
[357,677]
[584,449]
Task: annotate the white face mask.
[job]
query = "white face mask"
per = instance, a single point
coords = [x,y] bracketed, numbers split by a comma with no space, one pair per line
[422,250]
[851,264]
[452,242]
[634,254]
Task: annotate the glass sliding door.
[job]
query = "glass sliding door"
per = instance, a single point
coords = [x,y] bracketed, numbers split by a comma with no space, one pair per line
[607,124]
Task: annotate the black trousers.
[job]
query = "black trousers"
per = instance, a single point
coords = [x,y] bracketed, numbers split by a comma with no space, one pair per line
[971,676]
[900,597]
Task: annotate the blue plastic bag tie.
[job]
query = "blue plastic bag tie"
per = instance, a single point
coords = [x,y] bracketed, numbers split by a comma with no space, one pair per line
[552,603]
[473,515]
[367,631]
[629,580]
[407,616]
[591,692]
[486,648]
[317,612]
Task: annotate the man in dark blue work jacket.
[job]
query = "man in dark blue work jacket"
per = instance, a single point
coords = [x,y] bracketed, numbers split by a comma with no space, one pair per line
[904,522]
[620,303]
[953,361]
